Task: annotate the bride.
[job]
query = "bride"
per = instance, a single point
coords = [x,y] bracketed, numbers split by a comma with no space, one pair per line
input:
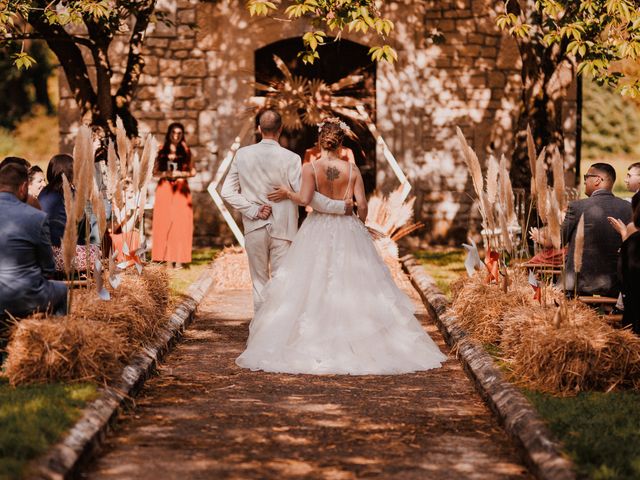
[333,307]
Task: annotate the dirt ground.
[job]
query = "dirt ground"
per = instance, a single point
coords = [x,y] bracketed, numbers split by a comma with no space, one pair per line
[203,417]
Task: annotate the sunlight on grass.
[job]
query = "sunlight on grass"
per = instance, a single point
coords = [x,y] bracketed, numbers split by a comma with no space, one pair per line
[600,431]
[34,417]
[445,265]
[36,139]
[181,279]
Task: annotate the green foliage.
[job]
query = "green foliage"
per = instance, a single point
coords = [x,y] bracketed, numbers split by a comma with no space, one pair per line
[600,431]
[597,33]
[25,87]
[34,417]
[334,16]
[610,123]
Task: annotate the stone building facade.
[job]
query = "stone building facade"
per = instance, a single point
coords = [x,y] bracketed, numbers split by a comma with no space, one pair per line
[200,71]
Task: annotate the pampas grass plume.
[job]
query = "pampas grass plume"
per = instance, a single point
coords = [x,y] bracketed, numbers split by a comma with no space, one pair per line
[492,179]
[558,178]
[579,245]
[70,237]
[471,159]
[531,151]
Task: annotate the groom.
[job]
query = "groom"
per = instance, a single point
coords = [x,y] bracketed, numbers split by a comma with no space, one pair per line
[269,228]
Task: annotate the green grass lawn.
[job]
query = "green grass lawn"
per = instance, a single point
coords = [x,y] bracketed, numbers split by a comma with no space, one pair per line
[445,265]
[599,431]
[34,417]
[181,279]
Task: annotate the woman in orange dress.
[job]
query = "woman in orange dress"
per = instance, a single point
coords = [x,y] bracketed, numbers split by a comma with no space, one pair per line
[172,227]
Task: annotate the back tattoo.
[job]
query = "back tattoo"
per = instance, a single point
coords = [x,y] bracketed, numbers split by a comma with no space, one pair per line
[332,174]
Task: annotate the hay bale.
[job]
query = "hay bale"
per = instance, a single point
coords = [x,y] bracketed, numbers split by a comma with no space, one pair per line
[230,270]
[581,353]
[63,349]
[479,307]
[136,309]
[156,279]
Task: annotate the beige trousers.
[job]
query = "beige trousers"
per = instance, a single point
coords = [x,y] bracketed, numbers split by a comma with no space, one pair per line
[263,251]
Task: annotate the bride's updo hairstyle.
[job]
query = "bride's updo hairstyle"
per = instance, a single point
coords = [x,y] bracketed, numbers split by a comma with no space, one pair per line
[331,135]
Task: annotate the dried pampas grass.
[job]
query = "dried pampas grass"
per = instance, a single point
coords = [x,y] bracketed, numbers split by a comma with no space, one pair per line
[579,245]
[531,151]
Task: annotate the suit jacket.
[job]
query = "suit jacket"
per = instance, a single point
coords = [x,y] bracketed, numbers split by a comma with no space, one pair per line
[26,257]
[598,275]
[629,271]
[257,170]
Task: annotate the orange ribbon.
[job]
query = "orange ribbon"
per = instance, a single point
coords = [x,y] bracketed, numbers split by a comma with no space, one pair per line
[491,262]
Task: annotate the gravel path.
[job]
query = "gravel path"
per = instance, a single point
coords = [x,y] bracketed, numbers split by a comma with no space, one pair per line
[203,417]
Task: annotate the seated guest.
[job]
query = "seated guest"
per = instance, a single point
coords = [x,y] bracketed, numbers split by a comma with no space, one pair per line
[31,198]
[36,181]
[26,259]
[547,255]
[52,200]
[629,271]
[598,275]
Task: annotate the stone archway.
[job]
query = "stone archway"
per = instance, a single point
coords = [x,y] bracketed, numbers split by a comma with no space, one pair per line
[338,59]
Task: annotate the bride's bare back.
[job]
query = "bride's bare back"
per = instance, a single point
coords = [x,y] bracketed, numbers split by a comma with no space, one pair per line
[339,180]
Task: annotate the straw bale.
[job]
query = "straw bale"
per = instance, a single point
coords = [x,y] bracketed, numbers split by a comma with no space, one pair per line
[63,349]
[479,307]
[231,270]
[582,353]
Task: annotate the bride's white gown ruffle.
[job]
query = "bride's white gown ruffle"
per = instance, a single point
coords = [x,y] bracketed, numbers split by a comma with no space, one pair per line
[333,308]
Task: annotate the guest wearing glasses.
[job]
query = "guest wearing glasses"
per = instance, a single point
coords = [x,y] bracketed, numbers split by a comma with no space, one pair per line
[598,275]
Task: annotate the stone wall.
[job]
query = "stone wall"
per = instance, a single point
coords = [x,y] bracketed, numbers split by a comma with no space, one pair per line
[200,70]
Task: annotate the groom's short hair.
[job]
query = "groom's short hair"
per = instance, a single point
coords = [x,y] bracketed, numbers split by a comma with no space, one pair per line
[270,122]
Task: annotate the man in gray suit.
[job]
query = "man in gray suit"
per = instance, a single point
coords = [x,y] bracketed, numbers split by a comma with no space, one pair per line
[26,258]
[598,275]
[269,227]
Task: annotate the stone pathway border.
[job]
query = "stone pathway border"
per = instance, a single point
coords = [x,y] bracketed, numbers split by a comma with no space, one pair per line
[519,418]
[65,458]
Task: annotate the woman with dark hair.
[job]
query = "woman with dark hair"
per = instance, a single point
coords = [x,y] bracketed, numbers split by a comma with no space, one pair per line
[172,227]
[52,200]
[36,181]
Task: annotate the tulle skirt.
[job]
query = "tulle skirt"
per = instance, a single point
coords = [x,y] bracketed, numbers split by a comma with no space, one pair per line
[333,308]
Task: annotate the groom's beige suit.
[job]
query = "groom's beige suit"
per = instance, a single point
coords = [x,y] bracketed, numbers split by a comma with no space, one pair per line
[257,170]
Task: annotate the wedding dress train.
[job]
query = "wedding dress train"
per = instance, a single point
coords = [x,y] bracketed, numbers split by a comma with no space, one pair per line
[333,308]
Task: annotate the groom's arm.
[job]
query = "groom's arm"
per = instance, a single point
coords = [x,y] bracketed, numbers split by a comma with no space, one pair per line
[231,193]
[318,202]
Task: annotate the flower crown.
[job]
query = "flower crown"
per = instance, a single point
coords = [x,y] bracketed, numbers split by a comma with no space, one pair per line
[343,126]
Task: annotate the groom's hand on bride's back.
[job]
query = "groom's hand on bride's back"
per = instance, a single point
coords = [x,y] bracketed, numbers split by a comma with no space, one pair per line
[264,212]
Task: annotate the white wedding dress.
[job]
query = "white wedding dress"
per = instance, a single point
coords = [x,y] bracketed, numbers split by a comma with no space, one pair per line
[333,308]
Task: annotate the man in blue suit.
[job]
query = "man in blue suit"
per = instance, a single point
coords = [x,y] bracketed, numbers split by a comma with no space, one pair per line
[26,258]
